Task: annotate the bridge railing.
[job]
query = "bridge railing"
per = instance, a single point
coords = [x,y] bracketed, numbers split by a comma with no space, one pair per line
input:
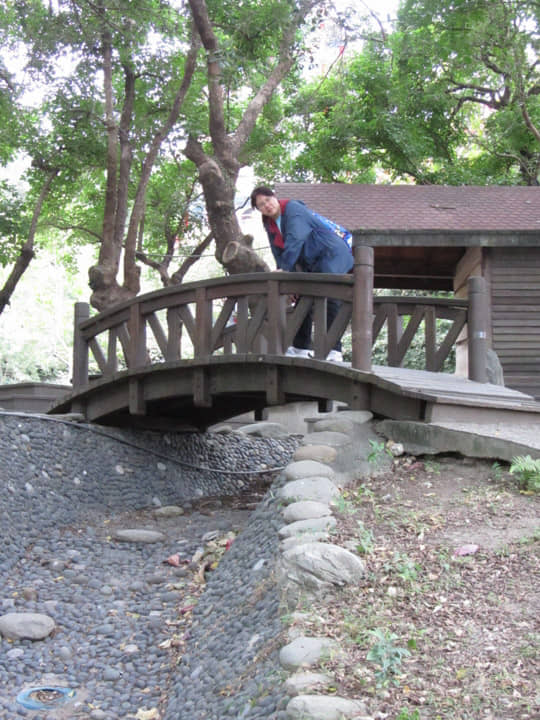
[252,314]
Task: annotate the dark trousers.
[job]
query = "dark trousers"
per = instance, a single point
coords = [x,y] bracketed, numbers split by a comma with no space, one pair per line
[302,338]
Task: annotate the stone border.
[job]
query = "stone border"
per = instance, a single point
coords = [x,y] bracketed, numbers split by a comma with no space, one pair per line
[310,562]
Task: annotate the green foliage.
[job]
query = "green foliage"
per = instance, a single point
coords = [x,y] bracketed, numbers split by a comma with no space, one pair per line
[527,471]
[14,222]
[387,655]
[406,714]
[377,452]
[365,542]
[441,99]
[483,56]
[497,469]
[405,568]
[37,327]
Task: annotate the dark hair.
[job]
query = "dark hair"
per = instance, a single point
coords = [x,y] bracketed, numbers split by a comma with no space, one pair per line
[261,190]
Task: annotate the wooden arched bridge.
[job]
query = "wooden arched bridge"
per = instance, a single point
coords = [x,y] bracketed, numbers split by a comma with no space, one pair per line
[195,354]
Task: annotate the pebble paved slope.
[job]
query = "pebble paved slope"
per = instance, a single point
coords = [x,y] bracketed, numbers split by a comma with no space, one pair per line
[65,490]
[231,669]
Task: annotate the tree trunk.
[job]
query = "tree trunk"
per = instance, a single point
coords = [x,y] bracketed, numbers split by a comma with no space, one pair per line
[106,290]
[27,251]
[218,172]
[218,184]
[102,277]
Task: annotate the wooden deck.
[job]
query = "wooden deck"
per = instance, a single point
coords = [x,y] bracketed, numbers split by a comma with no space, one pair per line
[450,398]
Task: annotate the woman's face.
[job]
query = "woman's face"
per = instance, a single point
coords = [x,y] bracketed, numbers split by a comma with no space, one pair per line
[268,205]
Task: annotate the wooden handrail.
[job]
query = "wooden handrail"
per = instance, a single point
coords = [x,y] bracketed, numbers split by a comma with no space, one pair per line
[248,314]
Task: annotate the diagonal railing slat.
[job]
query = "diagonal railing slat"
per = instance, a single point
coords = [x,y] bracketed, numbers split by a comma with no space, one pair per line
[159,332]
[451,336]
[224,317]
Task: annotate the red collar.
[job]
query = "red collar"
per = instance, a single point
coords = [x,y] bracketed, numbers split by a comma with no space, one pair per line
[273,227]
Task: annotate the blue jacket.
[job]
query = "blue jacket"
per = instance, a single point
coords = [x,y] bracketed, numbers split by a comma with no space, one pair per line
[309,246]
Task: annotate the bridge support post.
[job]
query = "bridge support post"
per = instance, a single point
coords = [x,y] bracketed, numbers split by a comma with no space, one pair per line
[274,392]
[80,348]
[79,377]
[477,330]
[362,307]
[203,327]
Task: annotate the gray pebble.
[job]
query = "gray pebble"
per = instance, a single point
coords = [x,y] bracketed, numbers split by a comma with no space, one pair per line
[98,591]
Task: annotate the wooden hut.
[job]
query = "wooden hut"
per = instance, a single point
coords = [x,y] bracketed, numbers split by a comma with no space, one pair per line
[436,237]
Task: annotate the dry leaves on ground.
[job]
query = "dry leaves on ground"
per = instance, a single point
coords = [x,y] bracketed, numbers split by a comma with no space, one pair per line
[441,629]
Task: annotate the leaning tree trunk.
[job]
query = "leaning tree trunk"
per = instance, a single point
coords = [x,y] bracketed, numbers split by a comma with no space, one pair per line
[218,172]
[26,254]
[218,179]
[102,277]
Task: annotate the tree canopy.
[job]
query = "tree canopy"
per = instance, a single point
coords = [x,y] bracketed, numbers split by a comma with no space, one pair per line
[138,102]
[135,118]
[451,95]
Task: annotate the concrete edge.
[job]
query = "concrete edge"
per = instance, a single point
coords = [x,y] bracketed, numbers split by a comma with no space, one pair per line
[424,438]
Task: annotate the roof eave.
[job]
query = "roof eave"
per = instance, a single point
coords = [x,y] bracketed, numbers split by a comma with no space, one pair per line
[455,238]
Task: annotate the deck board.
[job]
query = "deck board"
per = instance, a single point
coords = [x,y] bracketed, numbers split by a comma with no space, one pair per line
[447,386]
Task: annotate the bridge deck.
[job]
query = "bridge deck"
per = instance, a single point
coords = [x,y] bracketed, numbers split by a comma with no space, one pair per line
[199,393]
[451,397]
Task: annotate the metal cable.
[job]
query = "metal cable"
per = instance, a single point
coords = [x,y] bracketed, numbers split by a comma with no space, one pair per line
[162,456]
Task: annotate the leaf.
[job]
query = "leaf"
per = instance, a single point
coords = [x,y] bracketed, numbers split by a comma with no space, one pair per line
[143,714]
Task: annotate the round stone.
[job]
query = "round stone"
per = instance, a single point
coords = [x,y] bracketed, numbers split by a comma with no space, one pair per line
[29,626]
[137,535]
[320,453]
[168,511]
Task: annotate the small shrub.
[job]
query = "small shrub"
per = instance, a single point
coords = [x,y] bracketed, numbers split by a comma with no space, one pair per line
[527,471]
[406,714]
[497,470]
[365,540]
[378,449]
[386,655]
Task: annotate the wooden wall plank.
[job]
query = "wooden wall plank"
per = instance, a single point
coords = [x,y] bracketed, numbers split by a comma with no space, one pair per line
[515,302]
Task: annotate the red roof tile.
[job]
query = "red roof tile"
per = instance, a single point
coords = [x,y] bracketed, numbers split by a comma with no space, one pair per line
[421,207]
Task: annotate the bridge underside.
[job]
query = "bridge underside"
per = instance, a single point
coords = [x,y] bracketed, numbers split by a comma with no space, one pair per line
[192,394]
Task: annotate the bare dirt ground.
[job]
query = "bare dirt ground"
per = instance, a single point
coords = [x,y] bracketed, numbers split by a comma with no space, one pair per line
[446,625]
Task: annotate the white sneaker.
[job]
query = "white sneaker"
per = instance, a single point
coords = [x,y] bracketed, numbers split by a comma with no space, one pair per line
[334,356]
[299,352]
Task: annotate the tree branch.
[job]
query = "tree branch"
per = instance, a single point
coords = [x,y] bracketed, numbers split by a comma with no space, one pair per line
[202,22]
[27,251]
[286,60]
[528,122]
[178,276]
[149,160]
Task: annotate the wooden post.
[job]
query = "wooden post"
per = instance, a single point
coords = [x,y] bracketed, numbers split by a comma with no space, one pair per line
[430,338]
[276,314]
[203,323]
[137,337]
[80,348]
[319,328]
[395,333]
[477,329]
[174,335]
[362,308]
